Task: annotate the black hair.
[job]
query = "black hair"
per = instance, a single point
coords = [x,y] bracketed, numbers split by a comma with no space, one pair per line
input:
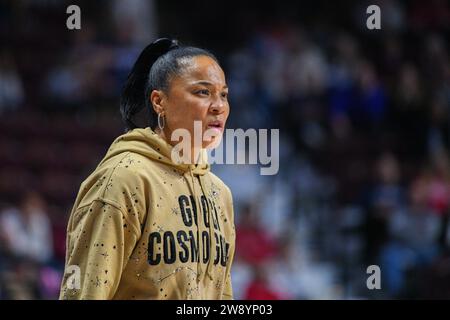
[153,70]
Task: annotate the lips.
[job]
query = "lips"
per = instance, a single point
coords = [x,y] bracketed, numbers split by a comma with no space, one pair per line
[216,125]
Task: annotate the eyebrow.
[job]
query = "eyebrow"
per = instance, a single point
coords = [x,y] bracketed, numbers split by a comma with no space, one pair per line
[207,83]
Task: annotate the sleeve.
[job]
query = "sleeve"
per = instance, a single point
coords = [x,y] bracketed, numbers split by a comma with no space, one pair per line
[100,241]
[228,289]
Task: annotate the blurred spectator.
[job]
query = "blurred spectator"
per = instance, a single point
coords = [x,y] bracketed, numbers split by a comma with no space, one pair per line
[136,17]
[371,98]
[259,288]
[438,196]
[438,126]
[385,198]
[84,72]
[27,229]
[253,243]
[413,240]
[409,93]
[287,271]
[306,67]
[342,75]
[388,193]
[11,89]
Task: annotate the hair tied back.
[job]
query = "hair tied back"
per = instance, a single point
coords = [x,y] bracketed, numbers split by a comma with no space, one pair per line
[133,94]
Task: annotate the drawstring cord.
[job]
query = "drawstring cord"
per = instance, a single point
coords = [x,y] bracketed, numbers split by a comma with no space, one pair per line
[212,240]
[199,267]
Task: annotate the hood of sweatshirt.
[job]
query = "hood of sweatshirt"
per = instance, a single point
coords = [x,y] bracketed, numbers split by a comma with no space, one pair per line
[148,143]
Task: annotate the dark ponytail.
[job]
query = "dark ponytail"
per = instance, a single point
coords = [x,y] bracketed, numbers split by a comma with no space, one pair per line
[133,97]
[152,70]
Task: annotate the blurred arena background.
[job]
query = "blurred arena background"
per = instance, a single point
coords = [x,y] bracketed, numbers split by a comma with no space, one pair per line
[364,124]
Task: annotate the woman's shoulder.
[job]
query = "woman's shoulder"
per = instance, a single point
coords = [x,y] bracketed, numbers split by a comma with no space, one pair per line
[118,174]
[127,160]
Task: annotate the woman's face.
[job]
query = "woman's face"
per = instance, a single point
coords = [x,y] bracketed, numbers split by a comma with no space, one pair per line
[199,93]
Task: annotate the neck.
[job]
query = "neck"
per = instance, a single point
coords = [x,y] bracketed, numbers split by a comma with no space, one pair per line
[195,153]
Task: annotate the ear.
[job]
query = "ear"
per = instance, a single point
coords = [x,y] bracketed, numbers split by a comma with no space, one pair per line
[158,100]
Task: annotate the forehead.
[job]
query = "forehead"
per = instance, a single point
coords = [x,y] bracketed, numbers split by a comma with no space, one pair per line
[202,68]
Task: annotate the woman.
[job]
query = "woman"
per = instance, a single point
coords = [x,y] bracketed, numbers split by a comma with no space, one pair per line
[145,226]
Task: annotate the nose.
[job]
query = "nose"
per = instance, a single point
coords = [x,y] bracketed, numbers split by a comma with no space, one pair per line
[218,105]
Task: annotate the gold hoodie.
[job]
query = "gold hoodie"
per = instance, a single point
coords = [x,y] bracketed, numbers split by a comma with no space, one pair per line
[143,227]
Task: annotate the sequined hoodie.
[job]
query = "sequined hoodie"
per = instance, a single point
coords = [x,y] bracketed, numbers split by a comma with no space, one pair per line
[143,227]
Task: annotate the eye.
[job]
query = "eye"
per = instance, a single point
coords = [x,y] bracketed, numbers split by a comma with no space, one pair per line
[224,95]
[202,92]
